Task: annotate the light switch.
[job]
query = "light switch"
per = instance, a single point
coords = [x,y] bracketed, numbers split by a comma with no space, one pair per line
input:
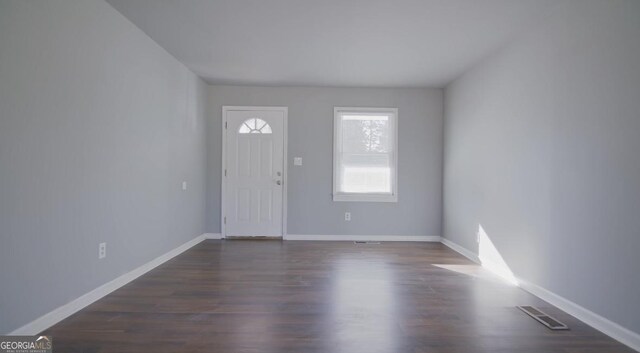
[184,185]
[297,161]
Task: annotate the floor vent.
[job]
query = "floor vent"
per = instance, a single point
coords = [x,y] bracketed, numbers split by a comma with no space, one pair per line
[543,318]
[367,242]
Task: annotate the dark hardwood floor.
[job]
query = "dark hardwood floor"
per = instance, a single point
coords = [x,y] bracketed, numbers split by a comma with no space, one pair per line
[335,297]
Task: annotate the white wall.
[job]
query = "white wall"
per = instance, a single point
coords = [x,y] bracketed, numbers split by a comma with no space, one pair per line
[542,149]
[98,128]
[311,208]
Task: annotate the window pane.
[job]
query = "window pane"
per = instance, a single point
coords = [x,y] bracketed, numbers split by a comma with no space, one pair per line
[365,154]
[365,133]
[365,173]
[244,129]
[254,126]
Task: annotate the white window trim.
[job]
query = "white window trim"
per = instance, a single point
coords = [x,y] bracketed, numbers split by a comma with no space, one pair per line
[337,141]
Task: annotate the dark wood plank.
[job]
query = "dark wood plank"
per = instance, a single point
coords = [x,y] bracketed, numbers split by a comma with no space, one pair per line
[273,296]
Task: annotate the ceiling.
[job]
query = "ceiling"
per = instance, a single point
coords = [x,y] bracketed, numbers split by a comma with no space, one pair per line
[373,43]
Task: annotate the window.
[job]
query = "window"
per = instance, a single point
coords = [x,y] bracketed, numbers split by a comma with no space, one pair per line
[254,126]
[365,154]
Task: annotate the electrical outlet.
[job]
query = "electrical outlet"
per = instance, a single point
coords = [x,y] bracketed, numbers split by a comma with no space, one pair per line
[184,185]
[102,250]
[347,216]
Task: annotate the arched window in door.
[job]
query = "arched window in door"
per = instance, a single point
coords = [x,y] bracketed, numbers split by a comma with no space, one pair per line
[254,126]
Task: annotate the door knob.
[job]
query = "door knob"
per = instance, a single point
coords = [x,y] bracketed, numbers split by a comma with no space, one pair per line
[278,182]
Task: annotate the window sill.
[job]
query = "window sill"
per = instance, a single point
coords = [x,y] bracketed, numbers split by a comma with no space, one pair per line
[364,198]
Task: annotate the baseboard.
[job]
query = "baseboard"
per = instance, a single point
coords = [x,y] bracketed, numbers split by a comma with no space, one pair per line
[44,322]
[461,250]
[314,237]
[212,236]
[604,325]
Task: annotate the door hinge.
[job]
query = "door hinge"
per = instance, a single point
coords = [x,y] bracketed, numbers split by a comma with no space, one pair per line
[225,172]
[225,220]
[225,124]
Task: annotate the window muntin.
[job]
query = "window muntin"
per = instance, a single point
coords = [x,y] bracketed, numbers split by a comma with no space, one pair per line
[365,154]
[254,126]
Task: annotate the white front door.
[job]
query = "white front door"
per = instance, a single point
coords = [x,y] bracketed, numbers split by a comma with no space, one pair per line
[254,179]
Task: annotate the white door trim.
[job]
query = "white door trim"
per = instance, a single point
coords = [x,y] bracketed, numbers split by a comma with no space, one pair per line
[285,169]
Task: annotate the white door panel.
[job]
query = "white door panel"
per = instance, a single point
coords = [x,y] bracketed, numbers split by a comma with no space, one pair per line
[254,177]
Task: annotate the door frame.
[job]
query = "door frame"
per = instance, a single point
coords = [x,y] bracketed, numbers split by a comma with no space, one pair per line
[285,169]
